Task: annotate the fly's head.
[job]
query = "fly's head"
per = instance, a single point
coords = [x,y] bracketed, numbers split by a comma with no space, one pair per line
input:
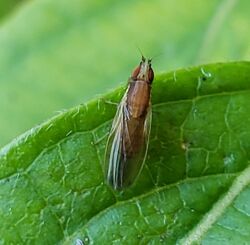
[144,71]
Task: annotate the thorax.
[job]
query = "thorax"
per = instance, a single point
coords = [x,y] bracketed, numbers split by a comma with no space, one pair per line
[138,98]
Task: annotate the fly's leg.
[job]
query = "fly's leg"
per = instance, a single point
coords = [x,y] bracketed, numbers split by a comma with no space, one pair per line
[98,140]
[101,104]
[109,102]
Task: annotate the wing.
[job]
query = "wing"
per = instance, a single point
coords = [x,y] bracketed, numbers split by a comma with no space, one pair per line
[126,147]
[114,146]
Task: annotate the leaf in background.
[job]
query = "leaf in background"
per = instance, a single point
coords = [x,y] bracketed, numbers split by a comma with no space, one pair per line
[194,185]
[56,54]
[6,7]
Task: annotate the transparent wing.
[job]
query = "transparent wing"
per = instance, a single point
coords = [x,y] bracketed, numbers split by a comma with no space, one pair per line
[127,146]
[114,146]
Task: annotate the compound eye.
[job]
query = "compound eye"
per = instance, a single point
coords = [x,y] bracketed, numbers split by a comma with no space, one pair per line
[135,73]
[150,75]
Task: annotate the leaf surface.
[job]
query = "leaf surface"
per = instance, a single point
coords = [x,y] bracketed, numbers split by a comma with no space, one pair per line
[194,186]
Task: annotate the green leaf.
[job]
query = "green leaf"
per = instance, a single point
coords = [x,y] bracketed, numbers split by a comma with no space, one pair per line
[194,187]
[57,54]
[7,7]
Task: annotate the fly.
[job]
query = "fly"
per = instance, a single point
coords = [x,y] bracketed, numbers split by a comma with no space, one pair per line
[127,144]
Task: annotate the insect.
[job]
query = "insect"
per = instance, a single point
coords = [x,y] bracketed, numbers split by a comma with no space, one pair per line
[127,144]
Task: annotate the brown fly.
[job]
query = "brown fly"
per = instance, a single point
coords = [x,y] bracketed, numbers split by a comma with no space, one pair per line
[128,140]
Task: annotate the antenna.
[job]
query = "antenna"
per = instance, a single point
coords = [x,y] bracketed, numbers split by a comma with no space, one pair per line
[143,57]
[157,55]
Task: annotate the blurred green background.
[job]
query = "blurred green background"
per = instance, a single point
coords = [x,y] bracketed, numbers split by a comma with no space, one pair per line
[57,54]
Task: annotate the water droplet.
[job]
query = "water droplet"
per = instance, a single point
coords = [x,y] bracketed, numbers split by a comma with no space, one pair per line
[86,240]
